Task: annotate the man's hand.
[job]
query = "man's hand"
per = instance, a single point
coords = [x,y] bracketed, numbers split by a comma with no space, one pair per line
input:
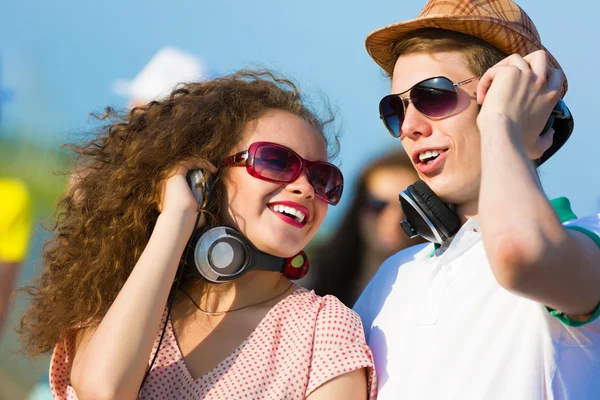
[522,92]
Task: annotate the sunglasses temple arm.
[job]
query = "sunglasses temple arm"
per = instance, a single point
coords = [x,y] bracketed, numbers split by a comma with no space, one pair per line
[236,159]
[467,81]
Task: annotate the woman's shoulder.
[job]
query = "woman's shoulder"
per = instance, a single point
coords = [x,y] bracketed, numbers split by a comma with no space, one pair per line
[327,303]
[327,312]
[338,344]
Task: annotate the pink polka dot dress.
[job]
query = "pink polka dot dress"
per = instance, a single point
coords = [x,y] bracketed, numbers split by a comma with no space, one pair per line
[304,341]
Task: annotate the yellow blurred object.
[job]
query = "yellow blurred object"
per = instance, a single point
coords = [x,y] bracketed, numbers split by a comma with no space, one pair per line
[15,220]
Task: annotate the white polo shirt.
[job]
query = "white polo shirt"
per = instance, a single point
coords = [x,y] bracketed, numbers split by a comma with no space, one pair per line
[441,327]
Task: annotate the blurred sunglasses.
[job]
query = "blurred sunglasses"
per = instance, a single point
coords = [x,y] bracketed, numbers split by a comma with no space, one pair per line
[375,204]
[273,162]
[435,98]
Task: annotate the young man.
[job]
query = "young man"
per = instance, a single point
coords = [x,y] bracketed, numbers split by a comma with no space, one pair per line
[507,306]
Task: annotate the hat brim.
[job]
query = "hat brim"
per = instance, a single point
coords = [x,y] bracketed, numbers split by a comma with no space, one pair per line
[494,31]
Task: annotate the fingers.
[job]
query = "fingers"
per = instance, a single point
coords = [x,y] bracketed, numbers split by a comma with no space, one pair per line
[556,81]
[549,80]
[504,66]
[184,166]
[543,143]
[484,84]
[552,79]
[174,176]
[199,164]
[536,63]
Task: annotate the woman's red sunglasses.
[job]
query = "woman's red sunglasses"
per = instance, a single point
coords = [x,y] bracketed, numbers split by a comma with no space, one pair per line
[276,163]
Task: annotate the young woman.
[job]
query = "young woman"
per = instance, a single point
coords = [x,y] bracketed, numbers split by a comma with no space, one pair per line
[102,302]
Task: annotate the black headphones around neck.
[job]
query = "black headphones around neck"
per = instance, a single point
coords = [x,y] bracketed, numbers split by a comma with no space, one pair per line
[221,254]
[429,217]
[426,215]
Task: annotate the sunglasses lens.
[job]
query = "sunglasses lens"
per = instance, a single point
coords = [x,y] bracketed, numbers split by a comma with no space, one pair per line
[279,164]
[327,181]
[375,204]
[391,111]
[276,163]
[434,98]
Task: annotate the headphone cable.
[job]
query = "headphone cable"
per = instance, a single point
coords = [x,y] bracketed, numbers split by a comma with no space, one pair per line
[171,299]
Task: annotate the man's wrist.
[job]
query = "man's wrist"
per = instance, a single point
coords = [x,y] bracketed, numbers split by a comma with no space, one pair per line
[493,124]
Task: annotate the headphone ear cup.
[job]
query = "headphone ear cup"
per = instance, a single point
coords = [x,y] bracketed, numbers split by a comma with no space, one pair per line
[563,128]
[219,254]
[442,217]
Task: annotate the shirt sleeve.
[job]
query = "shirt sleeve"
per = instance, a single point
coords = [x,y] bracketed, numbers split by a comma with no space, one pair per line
[15,221]
[589,226]
[339,346]
[60,369]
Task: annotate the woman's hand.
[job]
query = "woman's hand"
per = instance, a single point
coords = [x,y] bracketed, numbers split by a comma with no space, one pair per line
[522,92]
[111,359]
[175,193]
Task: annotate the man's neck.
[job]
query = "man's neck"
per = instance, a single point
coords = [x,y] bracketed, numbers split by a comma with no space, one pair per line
[467,211]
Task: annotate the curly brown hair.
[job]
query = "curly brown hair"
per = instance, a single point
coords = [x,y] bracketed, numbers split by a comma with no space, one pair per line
[108,213]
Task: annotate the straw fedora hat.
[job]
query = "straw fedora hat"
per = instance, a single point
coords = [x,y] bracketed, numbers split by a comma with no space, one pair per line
[501,23]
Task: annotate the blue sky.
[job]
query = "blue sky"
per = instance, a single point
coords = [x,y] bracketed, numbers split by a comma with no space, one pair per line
[62,57]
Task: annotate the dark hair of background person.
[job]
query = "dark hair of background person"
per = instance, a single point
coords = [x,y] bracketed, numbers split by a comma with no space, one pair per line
[338,264]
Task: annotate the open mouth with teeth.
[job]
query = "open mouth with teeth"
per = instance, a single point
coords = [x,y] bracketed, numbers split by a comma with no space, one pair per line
[290,212]
[427,157]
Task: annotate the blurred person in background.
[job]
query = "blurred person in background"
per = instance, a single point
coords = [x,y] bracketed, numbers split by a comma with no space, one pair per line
[15,228]
[126,312]
[15,231]
[368,233]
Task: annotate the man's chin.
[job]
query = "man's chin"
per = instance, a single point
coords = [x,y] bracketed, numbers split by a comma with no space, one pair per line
[446,191]
[455,195]
[440,186]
